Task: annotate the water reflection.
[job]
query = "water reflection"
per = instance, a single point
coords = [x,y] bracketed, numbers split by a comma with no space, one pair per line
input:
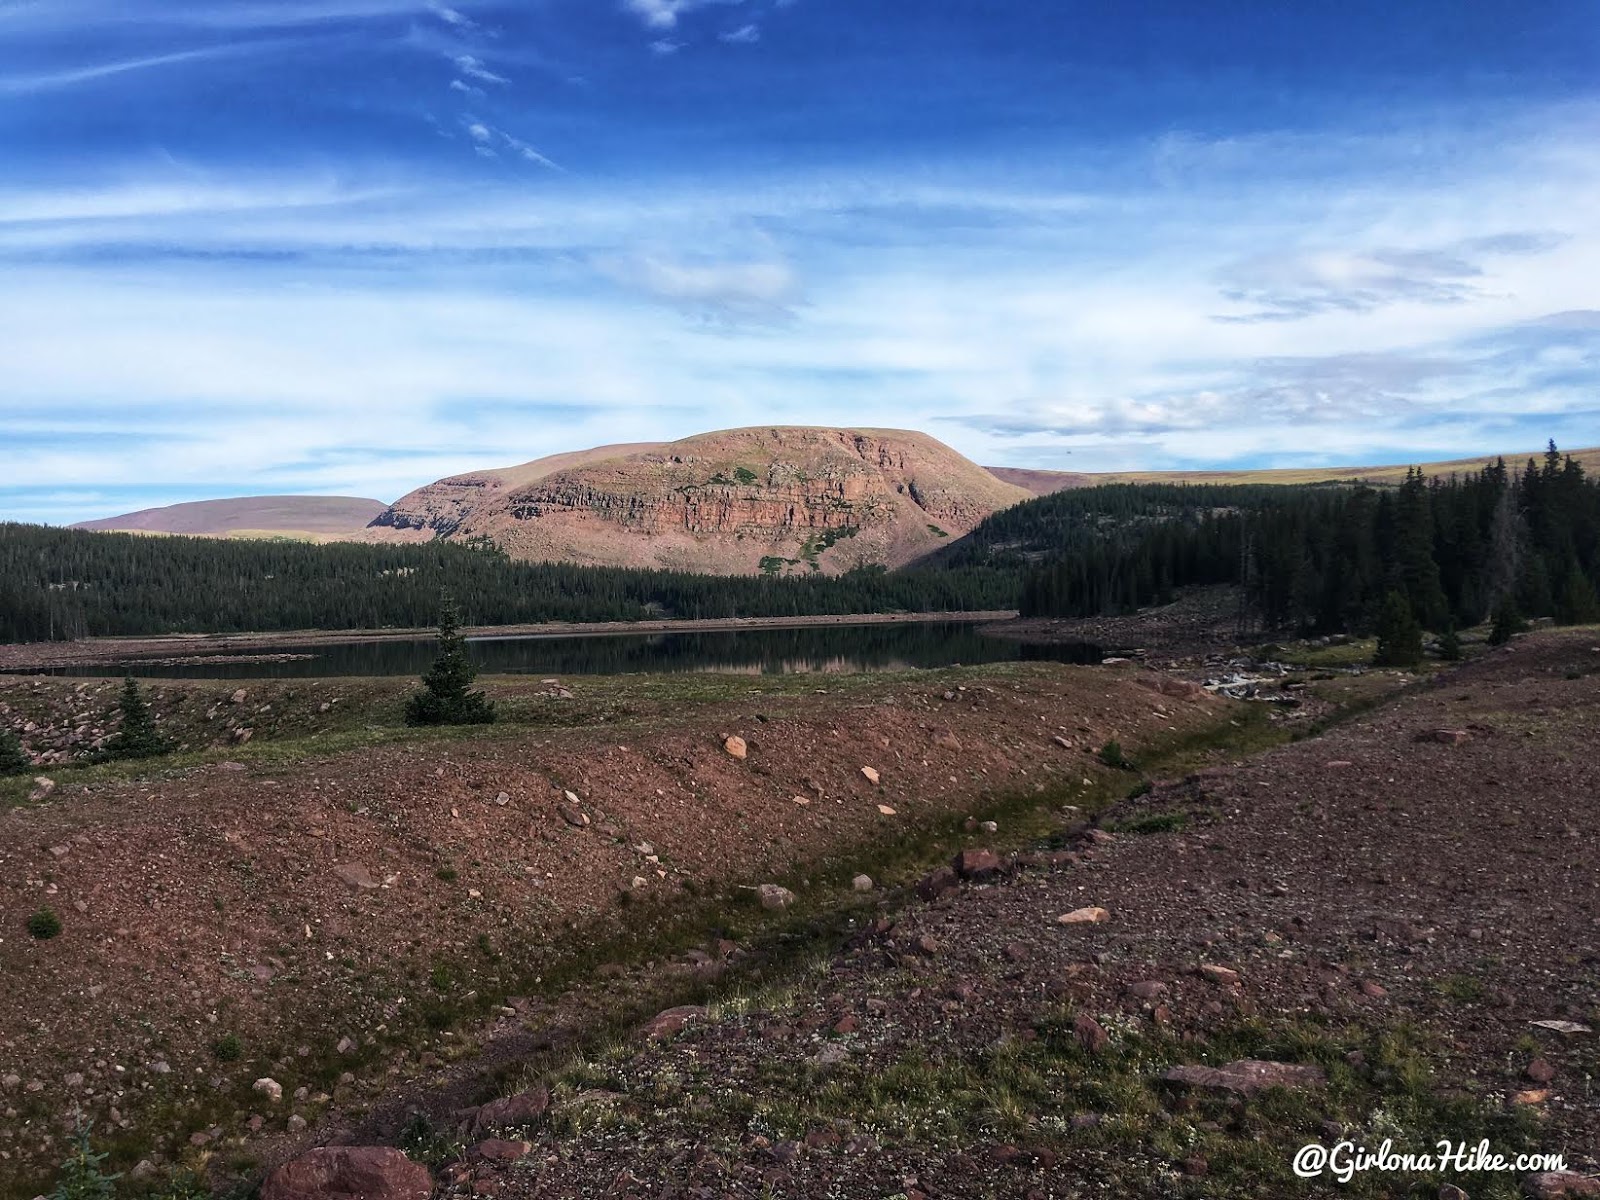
[834,649]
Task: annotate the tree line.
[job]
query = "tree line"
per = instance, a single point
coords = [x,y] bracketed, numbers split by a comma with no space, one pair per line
[59,584]
[1456,550]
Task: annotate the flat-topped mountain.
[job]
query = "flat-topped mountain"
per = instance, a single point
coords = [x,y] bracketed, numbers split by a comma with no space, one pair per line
[312,518]
[773,499]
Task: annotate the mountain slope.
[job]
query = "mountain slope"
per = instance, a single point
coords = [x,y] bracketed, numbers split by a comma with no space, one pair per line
[1042,483]
[780,500]
[307,517]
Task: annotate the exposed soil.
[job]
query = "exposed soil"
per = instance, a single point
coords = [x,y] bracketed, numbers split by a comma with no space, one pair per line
[1393,902]
[228,920]
[1200,622]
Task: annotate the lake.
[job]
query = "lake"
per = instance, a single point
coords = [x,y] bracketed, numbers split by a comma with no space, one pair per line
[765,651]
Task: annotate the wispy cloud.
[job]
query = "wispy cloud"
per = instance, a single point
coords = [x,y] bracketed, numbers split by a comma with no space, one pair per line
[665,14]
[744,35]
[44,81]
[472,67]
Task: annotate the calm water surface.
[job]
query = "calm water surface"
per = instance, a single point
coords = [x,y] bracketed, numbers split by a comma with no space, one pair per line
[769,651]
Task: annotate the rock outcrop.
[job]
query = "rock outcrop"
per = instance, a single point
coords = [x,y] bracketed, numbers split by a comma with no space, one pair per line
[774,500]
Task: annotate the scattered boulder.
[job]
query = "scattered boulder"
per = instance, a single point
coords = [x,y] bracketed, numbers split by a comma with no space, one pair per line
[736,747]
[1147,989]
[1248,1076]
[270,1088]
[774,896]
[575,817]
[355,875]
[238,697]
[936,883]
[498,1150]
[977,864]
[512,1112]
[664,1024]
[1449,737]
[885,811]
[1084,916]
[1217,974]
[862,883]
[947,739]
[1540,1070]
[1091,1035]
[349,1173]
[869,774]
[1559,1185]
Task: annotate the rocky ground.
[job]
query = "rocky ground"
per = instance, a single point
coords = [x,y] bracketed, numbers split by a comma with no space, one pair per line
[1401,918]
[394,935]
[338,901]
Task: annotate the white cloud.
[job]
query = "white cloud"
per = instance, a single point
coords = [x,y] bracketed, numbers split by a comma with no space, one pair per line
[745,35]
[664,14]
[472,67]
[665,46]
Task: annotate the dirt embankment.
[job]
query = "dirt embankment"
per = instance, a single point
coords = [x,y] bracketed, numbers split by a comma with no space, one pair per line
[1403,914]
[320,915]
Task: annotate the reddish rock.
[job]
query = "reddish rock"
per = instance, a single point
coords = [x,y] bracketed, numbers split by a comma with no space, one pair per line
[355,875]
[498,1150]
[936,883]
[845,1025]
[977,864]
[1090,1033]
[1449,737]
[349,1173]
[664,1024]
[1147,989]
[513,1112]
[1248,1076]
[1558,1185]
[1540,1071]
[1216,974]
[735,746]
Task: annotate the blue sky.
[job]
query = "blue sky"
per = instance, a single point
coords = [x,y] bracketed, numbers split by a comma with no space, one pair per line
[349,246]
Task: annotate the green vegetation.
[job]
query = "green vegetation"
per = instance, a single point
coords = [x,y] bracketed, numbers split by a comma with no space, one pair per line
[72,583]
[227,1048]
[1399,635]
[13,758]
[82,1177]
[1316,559]
[446,698]
[1111,754]
[138,737]
[744,475]
[44,924]
[1508,623]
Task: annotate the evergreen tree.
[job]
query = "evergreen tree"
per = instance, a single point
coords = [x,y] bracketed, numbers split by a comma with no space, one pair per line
[1578,604]
[1508,623]
[14,759]
[445,698]
[138,737]
[1399,635]
[1450,644]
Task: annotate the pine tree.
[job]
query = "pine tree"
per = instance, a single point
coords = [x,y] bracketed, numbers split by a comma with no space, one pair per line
[14,759]
[138,737]
[1508,622]
[1450,644]
[445,698]
[1578,605]
[1399,635]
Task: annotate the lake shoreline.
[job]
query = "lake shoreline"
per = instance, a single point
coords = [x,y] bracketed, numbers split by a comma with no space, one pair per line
[112,651]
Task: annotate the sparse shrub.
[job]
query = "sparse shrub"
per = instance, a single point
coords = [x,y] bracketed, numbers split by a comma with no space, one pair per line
[182,1184]
[44,924]
[138,737]
[1399,635]
[446,874]
[82,1177]
[1174,822]
[421,1142]
[1111,754]
[227,1048]
[446,698]
[1142,788]
[13,758]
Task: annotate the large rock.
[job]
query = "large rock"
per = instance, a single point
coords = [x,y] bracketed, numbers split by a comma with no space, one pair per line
[664,1024]
[1084,916]
[355,875]
[774,896]
[977,864]
[512,1112]
[349,1173]
[1558,1185]
[736,747]
[1248,1076]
